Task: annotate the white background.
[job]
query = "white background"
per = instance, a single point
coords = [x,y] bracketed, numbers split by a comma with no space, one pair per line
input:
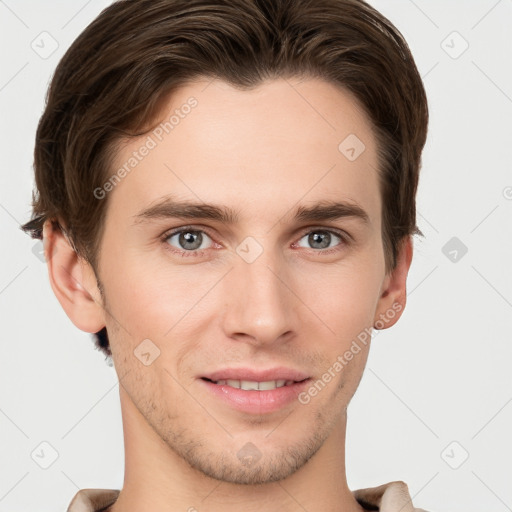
[441,375]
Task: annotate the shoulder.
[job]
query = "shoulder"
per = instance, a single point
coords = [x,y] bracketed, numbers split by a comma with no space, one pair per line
[92,500]
[390,497]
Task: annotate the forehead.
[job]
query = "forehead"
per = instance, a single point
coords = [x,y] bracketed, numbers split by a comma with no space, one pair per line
[261,151]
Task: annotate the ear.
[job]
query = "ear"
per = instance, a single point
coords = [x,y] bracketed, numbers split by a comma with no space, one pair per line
[393,291]
[73,281]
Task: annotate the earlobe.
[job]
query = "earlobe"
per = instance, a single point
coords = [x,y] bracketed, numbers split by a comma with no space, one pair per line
[394,290]
[73,281]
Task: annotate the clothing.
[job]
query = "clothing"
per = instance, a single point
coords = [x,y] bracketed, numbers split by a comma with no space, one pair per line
[390,497]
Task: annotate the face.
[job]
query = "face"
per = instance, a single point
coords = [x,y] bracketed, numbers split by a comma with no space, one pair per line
[278,290]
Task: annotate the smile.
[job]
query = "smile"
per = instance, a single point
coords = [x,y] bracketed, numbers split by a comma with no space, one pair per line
[254,396]
[251,385]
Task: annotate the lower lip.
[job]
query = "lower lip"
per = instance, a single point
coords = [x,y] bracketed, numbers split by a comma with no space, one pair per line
[256,402]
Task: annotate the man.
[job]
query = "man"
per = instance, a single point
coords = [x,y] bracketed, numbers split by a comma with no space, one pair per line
[226,192]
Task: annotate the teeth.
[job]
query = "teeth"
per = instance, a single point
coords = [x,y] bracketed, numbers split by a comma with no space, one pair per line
[272,384]
[250,385]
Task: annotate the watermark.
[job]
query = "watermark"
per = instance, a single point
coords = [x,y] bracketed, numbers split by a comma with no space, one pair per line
[455,455]
[167,127]
[249,249]
[343,359]
[249,454]
[44,455]
[39,250]
[454,44]
[146,352]
[351,147]
[45,45]
[454,249]
[150,143]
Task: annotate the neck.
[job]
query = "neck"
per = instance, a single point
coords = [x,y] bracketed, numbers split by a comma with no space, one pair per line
[156,476]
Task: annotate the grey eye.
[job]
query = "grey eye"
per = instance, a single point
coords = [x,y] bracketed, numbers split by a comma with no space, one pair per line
[188,239]
[320,239]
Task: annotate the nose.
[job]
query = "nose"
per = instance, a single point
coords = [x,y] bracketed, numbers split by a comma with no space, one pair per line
[261,307]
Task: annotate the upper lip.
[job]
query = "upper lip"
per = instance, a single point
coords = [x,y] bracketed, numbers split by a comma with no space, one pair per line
[254,375]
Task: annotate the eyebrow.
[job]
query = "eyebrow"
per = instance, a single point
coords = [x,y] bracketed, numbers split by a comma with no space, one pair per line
[169,207]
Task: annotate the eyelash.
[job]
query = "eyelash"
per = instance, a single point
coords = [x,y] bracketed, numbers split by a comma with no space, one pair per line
[345,240]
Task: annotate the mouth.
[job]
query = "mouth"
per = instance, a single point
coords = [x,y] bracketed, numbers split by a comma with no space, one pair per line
[253,385]
[255,392]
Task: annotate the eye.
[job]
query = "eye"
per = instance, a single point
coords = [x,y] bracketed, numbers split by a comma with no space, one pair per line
[322,239]
[188,240]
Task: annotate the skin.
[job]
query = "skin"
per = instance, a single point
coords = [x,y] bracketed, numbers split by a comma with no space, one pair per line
[291,307]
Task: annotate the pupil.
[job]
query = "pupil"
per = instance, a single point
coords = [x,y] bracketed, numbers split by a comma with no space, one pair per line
[316,237]
[190,237]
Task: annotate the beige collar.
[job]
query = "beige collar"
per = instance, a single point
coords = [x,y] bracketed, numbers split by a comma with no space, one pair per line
[390,497]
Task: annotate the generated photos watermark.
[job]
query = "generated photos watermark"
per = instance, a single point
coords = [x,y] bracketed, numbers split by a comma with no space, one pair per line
[343,359]
[150,143]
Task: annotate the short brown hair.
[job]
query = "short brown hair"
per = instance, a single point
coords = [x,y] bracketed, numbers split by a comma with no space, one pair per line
[113,78]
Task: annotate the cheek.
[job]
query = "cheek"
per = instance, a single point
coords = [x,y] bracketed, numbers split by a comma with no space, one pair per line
[152,299]
[344,298]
